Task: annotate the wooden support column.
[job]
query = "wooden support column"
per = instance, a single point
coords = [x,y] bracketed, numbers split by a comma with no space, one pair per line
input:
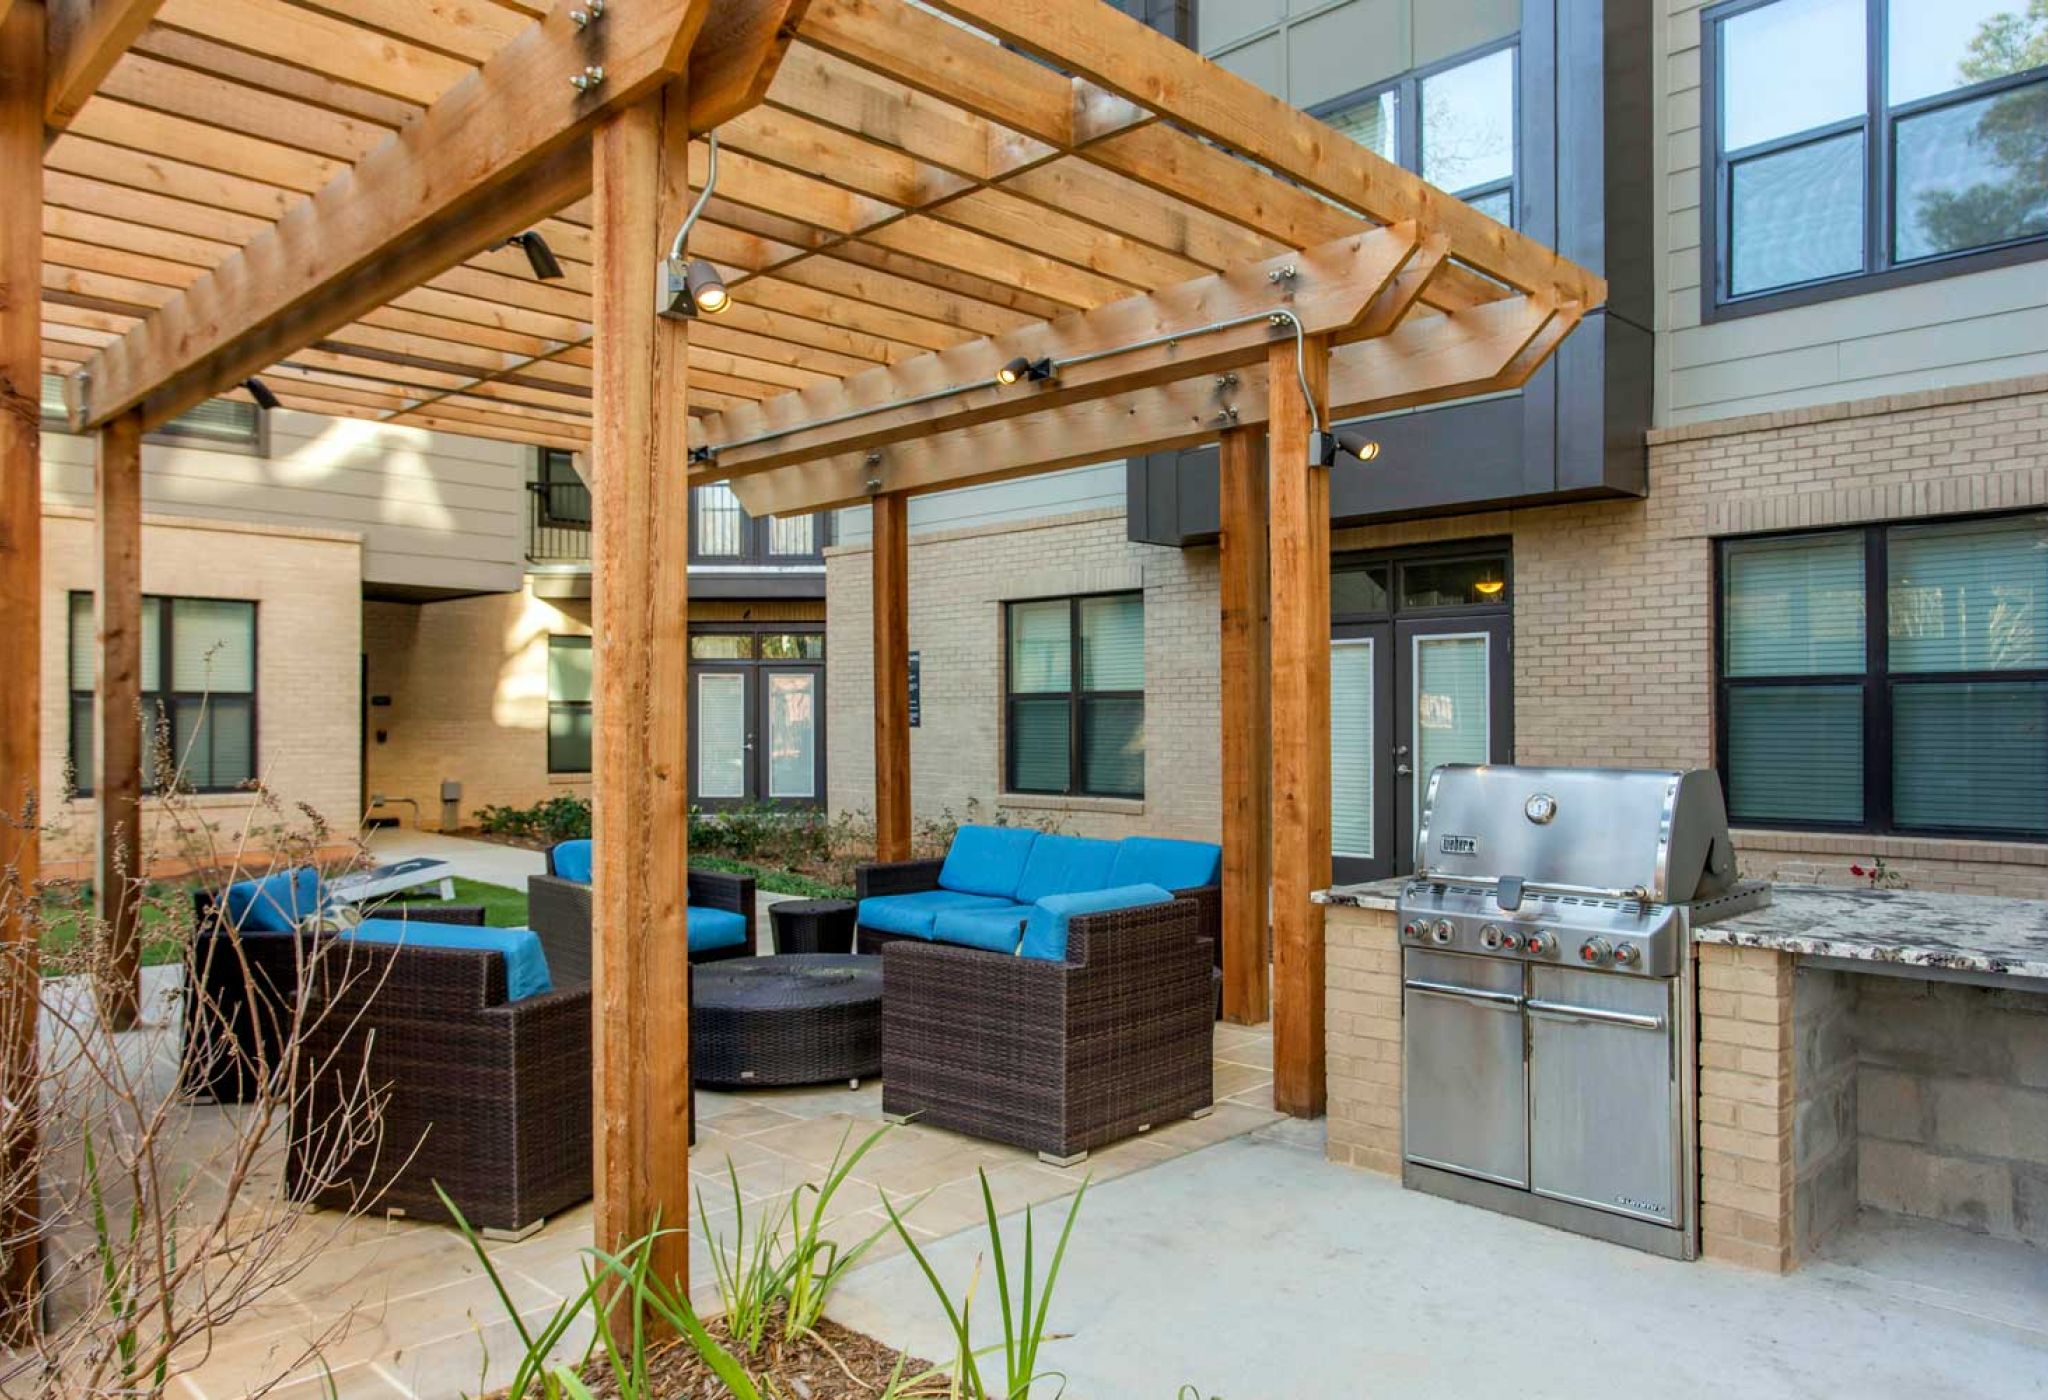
[117,731]
[1247,725]
[640,655]
[1300,524]
[21,611]
[892,677]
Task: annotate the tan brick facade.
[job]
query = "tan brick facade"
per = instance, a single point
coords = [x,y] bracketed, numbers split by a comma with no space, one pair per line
[1746,1106]
[1362,1037]
[307,587]
[1613,627]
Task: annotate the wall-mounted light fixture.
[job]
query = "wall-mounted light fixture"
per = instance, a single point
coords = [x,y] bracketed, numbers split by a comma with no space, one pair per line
[260,392]
[1024,367]
[691,285]
[1328,445]
[539,256]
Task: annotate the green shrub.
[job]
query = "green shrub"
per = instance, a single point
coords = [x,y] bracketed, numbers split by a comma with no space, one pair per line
[560,818]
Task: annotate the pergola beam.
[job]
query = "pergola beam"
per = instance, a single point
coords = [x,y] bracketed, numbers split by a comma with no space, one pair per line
[1207,325]
[86,38]
[1433,359]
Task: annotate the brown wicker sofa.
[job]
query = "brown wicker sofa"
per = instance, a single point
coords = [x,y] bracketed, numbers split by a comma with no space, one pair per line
[1054,1057]
[489,1099]
[558,909]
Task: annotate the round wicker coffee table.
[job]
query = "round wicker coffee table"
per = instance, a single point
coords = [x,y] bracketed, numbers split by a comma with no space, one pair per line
[813,925]
[803,1018]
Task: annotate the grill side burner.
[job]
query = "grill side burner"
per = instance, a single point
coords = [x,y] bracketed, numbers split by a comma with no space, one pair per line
[1548,1055]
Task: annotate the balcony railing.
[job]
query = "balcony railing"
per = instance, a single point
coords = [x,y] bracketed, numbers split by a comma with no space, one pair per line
[557,522]
[721,535]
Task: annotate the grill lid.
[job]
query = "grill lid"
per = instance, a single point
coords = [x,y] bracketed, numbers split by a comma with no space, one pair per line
[1655,834]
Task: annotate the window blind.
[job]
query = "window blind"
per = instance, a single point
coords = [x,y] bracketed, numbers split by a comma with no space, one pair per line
[722,735]
[1971,757]
[792,734]
[85,643]
[1351,751]
[1795,753]
[1041,648]
[1968,597]
[569,674]
[1113,643]
[1040,756]
[1451,721]
[214,645]
[1113,746]
[1795,606]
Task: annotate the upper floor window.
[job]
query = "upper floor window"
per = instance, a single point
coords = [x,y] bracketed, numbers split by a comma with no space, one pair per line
[1888,679]
[563,498]
[721,532]
[1453,123]
[1075,683]
[1857,143]
[198,691]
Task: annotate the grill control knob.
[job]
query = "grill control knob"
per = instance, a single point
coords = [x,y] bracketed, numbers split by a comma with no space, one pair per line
[1595,951]
[1510,940]
[1443,931]
[1491,937]
[1627,955]
[1417,929]
[1541,945]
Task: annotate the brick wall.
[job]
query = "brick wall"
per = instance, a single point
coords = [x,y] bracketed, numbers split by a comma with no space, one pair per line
[959,581]
[1362,1038]
[307,587]
[1746,1106]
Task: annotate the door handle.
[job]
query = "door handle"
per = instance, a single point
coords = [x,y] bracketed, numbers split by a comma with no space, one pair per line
[1485,997]
[1402,770]
[1564,1011]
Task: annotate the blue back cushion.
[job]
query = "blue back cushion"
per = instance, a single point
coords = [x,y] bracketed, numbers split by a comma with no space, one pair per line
[526,966]
[276,903]
[1063,865]
[571,861]
[1173,865]
[987,860]
[1045,932]
[715,928]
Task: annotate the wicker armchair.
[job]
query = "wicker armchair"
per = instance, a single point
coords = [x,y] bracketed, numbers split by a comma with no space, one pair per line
[244,991]
[489,1100]
[559,911]
[1054,1057]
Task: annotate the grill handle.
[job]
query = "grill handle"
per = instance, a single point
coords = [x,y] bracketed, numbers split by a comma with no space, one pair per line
[1565,1011]
[1513,888]
[1505,1001]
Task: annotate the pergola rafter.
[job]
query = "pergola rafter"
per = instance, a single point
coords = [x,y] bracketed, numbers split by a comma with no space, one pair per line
[907,197]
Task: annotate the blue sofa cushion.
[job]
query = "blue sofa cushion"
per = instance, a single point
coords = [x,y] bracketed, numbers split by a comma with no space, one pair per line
[913,913]
[986,860]
[1063,865]
[1045,932]
[715,928]
[526,966]
[1172,865]
[997,930]
[570,860]
[276,903]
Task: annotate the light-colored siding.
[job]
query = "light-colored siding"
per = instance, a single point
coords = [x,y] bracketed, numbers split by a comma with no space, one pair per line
[1969,329]
[1310,52]
[1056,493]
[434,510]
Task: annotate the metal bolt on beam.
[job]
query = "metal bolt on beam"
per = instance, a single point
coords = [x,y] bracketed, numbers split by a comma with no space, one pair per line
[594,10]
[587,79]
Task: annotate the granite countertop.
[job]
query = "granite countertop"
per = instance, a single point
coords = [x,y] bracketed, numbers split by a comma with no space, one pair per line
[1984,934]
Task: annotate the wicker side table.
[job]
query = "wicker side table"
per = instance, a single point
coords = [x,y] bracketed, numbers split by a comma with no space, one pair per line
[805,1019]
[813,925]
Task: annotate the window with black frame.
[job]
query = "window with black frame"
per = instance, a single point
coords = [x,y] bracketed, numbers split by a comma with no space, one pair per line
[721,531]
[1888,679]
[1075,696]
[1858,139]
[569,723]
[1453,123]
[564,498]
[198,691]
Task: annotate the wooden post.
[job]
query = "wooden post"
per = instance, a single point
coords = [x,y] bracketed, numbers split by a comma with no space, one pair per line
[1300,497]
[640,655]
[117,731]
[892,677]
[1247,722]
[21,612]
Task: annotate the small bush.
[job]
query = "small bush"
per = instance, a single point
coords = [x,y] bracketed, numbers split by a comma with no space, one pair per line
[560,818]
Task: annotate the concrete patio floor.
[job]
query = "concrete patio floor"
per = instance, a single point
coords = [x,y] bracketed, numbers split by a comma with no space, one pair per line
[1256,1270]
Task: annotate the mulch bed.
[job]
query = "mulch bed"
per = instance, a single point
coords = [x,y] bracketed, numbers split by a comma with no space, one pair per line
[836,1363]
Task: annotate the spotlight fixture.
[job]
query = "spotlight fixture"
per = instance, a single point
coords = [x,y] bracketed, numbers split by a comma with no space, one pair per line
[699,456]
[1328,445]
[260,392]
[1489,588]
[538,254]
[694,287]
[1024,367]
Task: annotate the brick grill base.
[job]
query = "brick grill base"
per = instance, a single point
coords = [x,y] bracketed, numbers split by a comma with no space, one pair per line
[1746,1072]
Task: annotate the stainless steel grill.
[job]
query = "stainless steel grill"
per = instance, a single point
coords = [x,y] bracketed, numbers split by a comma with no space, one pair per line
[1548,1054]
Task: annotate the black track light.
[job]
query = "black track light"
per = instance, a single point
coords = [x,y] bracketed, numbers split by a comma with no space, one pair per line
[1024,367]
[538,254]
[260,392]
[694,288]
[1350,440]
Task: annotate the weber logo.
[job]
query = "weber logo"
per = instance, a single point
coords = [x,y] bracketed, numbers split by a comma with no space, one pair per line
[1459,845]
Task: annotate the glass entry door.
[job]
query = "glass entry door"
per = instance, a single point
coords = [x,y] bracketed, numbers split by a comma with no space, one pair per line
[1361,787]
[1452,679]
[757,719]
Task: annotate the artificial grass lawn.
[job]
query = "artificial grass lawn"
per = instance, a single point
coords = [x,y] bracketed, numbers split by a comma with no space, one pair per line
[167,916]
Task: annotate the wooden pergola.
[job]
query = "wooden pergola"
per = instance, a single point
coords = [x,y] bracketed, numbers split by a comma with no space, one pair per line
[908,198]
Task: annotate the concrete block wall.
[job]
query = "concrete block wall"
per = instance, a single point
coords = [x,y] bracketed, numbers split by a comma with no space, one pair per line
[1362,1038]
[959,581]
[1824,1158]
[1746,1107]
[307,587]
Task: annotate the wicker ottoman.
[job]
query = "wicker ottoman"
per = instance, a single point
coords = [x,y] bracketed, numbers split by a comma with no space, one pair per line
[805,1018]
[813,925]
